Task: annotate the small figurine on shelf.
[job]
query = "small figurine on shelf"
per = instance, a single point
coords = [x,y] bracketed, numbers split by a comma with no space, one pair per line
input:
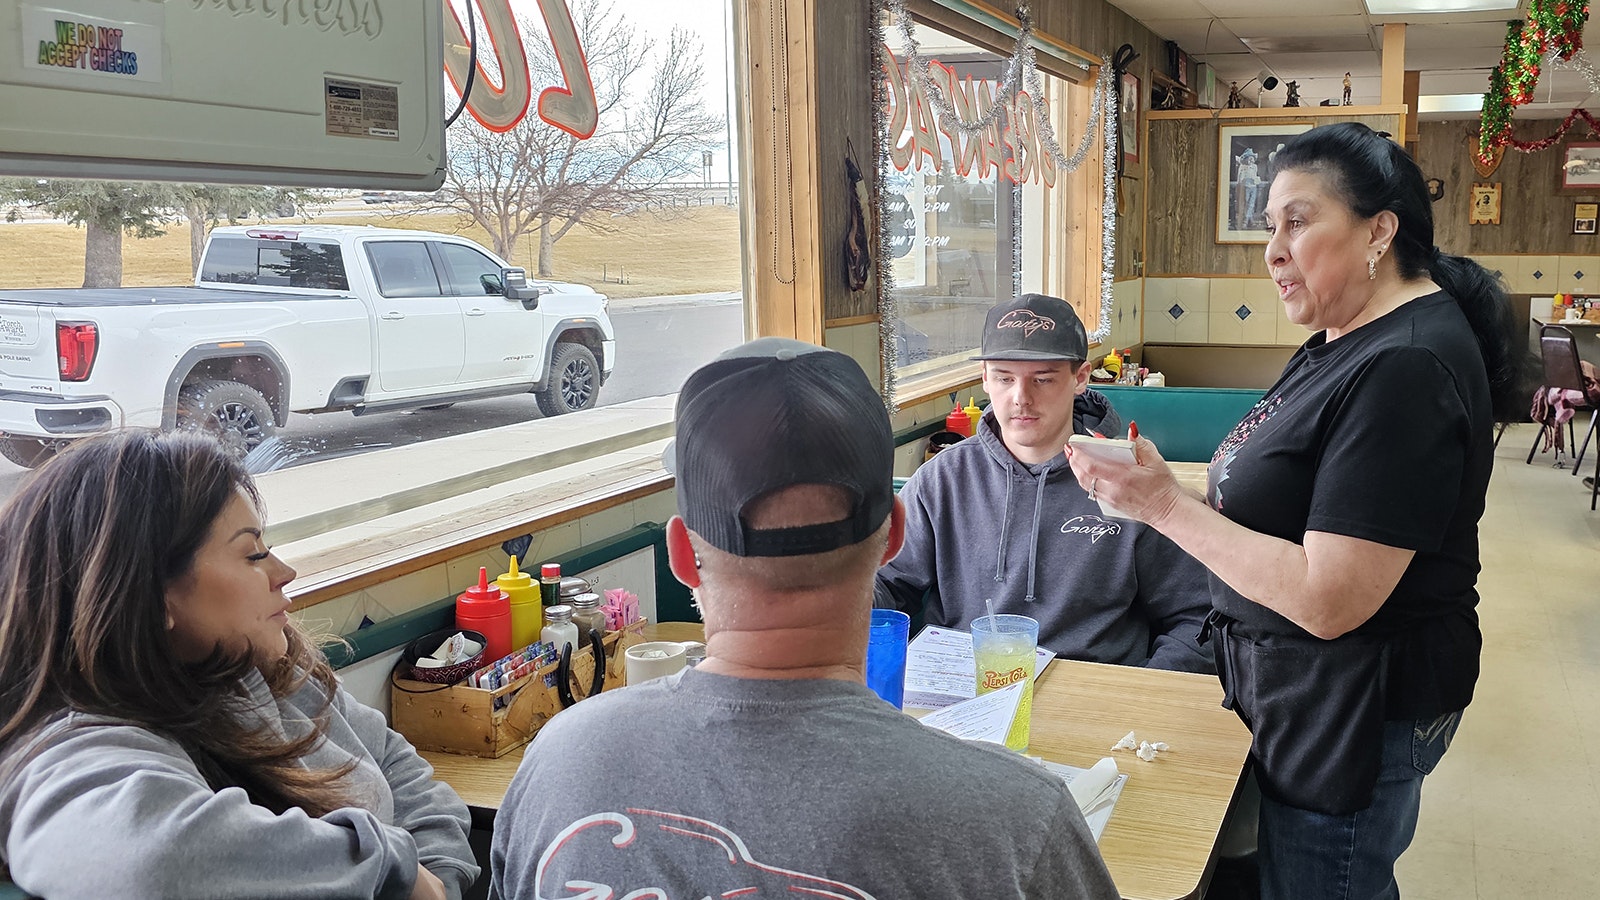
[1346,100]
[1292,97]
[1234,100]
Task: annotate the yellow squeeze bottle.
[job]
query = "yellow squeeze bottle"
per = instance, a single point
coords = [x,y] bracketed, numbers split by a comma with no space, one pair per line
[1112,363]
[527,613]
[973,413]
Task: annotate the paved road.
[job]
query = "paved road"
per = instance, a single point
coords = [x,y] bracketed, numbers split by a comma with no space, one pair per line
[660,340]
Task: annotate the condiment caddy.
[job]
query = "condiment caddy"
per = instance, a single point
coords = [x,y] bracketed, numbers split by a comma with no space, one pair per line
[462,719]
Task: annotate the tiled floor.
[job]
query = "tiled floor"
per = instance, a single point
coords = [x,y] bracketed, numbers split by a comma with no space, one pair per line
[1513,811]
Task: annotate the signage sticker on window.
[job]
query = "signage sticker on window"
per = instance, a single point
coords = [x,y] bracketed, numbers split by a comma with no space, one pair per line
[362,109]
[62,42]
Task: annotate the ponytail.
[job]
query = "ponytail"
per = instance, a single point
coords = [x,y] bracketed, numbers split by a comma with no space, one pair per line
[1484,302]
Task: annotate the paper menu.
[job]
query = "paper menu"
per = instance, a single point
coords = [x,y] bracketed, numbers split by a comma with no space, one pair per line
[940,668]
[986,718]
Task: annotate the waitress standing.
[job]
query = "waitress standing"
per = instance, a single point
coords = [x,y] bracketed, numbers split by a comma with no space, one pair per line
[1340,522]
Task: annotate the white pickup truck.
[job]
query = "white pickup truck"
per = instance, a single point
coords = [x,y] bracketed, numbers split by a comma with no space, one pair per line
[295,319]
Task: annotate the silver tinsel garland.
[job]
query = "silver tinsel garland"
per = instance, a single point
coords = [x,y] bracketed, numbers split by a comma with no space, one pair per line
[1022,67]
[1583,65]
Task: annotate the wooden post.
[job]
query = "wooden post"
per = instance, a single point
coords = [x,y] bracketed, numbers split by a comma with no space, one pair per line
[781,221]
[1394,64]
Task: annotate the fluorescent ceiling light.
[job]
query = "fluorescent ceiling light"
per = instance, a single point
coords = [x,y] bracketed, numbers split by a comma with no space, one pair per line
[1434,103]
[1414,7]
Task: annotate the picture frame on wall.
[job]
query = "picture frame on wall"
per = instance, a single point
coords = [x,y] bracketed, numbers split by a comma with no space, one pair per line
[1580,166]
[1485,208]
[1128,117]
[1583,217]
[1246,155]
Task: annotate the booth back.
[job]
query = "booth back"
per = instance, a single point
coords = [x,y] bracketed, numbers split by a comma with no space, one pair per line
[1186,424]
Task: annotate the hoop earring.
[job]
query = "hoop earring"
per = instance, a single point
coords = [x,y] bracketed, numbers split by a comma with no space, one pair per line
[1372,268]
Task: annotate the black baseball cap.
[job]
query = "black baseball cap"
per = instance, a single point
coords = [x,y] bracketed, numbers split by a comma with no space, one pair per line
[1034,327]
[771,414]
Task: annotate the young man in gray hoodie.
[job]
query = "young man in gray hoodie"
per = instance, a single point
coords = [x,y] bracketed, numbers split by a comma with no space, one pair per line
[1000,516]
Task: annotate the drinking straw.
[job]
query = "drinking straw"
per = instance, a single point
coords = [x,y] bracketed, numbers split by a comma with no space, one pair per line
[993,625]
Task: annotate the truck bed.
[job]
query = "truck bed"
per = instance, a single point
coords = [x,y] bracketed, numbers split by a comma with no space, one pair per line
[88,298]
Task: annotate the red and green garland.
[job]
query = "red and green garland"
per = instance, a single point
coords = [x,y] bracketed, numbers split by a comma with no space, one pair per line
[1553,26]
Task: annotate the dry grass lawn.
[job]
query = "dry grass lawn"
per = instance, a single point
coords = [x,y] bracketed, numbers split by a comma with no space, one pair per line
[677,251]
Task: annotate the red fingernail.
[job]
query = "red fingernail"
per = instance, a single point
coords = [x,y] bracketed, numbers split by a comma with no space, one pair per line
[1133,431]
[1096,434]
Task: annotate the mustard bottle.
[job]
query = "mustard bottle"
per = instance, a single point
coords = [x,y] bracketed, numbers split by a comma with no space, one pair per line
[527,613]
[974,413]
[1112,363]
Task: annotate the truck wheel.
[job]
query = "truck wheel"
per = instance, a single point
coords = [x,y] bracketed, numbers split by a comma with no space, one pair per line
[234,413]
[29,453]
[574,381]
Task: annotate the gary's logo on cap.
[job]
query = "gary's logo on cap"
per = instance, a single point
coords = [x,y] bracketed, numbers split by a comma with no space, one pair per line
[1028,320]
[1034,327]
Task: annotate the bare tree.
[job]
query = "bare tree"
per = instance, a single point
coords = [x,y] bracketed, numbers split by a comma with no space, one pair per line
[536,178]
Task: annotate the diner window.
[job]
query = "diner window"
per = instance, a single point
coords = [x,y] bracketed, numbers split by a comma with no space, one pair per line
[636,223]
[978,218]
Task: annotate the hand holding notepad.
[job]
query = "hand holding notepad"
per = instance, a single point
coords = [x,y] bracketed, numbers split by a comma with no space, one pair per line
[1110,449]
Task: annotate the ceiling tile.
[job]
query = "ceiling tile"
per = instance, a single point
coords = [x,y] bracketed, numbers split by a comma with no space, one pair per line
[1251,9]
[1198,36]
[1328,43]
[1461,58]
[1312,65]
[1162,9]
[1299,26]
[1442,37]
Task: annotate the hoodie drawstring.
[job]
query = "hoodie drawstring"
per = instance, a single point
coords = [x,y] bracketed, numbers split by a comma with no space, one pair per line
[1033,545]
[1005,531]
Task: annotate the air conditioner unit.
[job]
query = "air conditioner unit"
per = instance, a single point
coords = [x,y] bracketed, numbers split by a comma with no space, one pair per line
[340,93]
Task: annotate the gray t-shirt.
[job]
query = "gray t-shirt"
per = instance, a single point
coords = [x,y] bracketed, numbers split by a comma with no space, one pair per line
[701,785]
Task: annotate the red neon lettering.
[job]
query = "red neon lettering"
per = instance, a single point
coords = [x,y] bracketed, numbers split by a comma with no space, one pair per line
[573,108]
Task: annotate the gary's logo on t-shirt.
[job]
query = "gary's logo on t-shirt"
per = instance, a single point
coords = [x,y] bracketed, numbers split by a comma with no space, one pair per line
[1093,526]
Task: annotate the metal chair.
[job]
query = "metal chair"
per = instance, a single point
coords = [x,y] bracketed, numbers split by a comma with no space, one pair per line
[1561,370]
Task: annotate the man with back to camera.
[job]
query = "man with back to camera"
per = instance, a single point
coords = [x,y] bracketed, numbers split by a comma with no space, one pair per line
[1000,516]
[770,769]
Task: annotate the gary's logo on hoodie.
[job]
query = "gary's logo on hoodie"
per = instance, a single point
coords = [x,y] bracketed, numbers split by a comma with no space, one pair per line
[1093,526]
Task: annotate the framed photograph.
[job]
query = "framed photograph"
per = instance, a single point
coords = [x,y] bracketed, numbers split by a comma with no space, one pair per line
[1246,155]
[1182,75]
[1580,170]
[1485,208]
[1128,117]
[1583,217]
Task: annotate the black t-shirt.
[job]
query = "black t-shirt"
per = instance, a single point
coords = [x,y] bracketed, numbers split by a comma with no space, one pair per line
[1383,435]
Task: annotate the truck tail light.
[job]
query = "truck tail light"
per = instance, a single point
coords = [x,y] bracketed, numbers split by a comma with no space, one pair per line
[77,343]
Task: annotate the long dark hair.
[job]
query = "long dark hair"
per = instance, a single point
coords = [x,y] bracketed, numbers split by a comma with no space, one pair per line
[88,547]
[1371,173]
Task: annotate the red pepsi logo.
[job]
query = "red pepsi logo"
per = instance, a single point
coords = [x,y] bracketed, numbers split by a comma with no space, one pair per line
[1026,319]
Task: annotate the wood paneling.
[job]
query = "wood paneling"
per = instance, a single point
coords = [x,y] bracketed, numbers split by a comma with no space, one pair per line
[1181,221]
[844,102]
[1101,28]
[1535,216]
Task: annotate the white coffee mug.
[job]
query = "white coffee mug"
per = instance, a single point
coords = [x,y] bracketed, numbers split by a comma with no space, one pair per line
[654,659]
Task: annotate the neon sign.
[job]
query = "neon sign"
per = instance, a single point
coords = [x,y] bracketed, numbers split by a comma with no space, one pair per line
[571,107]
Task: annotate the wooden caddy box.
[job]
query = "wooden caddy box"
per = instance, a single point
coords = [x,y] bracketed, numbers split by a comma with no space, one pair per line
[462,719]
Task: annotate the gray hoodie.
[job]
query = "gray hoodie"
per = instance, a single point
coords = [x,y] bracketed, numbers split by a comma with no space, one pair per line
[980,524]
[108,808]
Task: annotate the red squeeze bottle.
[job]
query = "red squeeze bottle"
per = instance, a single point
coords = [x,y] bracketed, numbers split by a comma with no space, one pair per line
[487,610]
[958,421]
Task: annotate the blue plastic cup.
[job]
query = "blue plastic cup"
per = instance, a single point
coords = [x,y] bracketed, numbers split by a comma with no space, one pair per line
[886,655]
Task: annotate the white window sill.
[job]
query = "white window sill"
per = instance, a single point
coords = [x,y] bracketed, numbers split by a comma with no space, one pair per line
[348,523]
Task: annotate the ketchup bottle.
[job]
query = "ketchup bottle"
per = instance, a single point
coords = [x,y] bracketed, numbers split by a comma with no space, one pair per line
[486,609]
[958,421]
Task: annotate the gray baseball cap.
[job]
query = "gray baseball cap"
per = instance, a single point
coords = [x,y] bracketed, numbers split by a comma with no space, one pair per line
[1034,327]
